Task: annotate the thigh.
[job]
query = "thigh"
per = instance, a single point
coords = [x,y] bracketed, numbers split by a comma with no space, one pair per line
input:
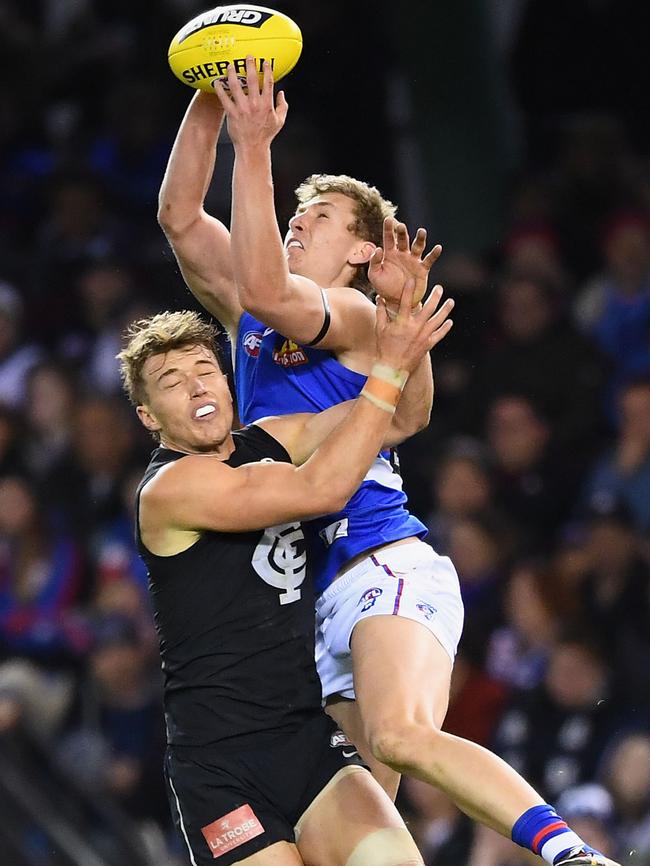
[346,715]
[401,671]
[279,854]
[353,821]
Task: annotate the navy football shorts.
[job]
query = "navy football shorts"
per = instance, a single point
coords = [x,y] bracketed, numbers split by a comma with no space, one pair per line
[229,803]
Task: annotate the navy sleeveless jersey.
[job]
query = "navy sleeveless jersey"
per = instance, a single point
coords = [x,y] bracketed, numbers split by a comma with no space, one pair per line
[275,376]
[235,622]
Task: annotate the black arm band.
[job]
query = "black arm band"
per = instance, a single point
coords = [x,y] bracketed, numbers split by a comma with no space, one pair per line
[326,324]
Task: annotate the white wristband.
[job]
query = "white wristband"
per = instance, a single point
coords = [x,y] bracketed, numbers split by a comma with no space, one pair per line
[389,374]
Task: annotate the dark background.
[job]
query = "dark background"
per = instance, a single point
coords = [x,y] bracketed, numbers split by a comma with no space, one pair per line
[517,132]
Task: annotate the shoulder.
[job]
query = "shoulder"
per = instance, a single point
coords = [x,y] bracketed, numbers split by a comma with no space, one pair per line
[345,297]
[259,442]
[352,320]
[171,480]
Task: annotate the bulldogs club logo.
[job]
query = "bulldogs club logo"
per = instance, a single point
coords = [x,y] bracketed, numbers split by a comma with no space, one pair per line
[290,354]
[427,610]
[252,342]
[369,597]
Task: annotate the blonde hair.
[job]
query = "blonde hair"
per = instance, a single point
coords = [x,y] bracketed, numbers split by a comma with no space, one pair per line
[370,210]
[155,336]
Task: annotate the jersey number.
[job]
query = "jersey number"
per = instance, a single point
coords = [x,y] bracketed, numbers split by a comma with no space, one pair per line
[280,559]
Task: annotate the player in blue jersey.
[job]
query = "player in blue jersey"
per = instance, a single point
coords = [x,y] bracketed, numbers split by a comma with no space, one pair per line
[389,612]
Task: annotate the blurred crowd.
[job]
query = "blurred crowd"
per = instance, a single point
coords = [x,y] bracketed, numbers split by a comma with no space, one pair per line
[534,475]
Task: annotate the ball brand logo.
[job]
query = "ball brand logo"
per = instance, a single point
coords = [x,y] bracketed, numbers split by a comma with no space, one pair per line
[224,15]
[369,597]
[290,354]
[219,69]
[252,342]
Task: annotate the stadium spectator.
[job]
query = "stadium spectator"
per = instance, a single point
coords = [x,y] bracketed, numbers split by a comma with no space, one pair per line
[614,307]
[626,773]
[622,472]
[40,581]
[537,353]
[518,651]
[462,486]
[574,700]
[49,407]
[16,356]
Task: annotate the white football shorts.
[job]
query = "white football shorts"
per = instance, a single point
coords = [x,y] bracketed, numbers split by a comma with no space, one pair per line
[411,581]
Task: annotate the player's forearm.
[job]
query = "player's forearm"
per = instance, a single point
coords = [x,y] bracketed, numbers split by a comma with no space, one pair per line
[414,410]
[340,463]
[258,257]
[191,164]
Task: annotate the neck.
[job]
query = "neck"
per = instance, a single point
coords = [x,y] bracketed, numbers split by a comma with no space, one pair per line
[221,450]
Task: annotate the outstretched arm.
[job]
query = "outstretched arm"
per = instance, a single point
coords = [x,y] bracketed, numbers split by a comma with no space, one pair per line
[291,304]
[200,242]
[201,493]
[390,267]
[302,434]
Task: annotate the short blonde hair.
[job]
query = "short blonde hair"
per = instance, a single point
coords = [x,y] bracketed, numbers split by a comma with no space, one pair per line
[155,336]
[371,208]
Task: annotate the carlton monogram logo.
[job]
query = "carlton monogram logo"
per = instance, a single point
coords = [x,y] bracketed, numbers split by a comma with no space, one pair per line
[280,559]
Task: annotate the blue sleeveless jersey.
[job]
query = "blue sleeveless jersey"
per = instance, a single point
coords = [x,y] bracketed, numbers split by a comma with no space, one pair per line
[275,376]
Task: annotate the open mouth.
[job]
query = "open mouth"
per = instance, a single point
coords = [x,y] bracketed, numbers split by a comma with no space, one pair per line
[205,411]
[294,243]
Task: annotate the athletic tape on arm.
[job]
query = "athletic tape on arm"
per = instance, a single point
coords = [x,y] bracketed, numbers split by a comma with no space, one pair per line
[326,324]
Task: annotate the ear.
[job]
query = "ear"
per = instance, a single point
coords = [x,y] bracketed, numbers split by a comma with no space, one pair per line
[148,419]
[362,253]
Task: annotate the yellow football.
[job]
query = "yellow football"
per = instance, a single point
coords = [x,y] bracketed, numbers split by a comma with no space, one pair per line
[202,49]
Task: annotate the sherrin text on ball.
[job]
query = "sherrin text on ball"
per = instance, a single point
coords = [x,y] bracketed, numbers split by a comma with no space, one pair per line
[201,50]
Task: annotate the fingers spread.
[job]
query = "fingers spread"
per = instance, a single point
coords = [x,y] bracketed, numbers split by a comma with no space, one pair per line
[402,237]
[222,95]
[406,300]
[389,233]
[252,79]
[235,88]
[429,306]
[432,256]
[281,105]
[419,242]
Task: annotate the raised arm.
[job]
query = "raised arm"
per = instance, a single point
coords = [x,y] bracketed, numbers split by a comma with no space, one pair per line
[390,267]
[291,304]
[200,242]
[302,434]
[202,493]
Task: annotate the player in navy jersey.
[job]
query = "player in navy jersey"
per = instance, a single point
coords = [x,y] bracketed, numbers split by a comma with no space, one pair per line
[254,764]
[389,613]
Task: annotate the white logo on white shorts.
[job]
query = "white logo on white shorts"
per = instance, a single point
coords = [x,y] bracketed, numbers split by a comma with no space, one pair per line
[280,559]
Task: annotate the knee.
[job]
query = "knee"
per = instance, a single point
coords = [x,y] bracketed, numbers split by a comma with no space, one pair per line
[403,746]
